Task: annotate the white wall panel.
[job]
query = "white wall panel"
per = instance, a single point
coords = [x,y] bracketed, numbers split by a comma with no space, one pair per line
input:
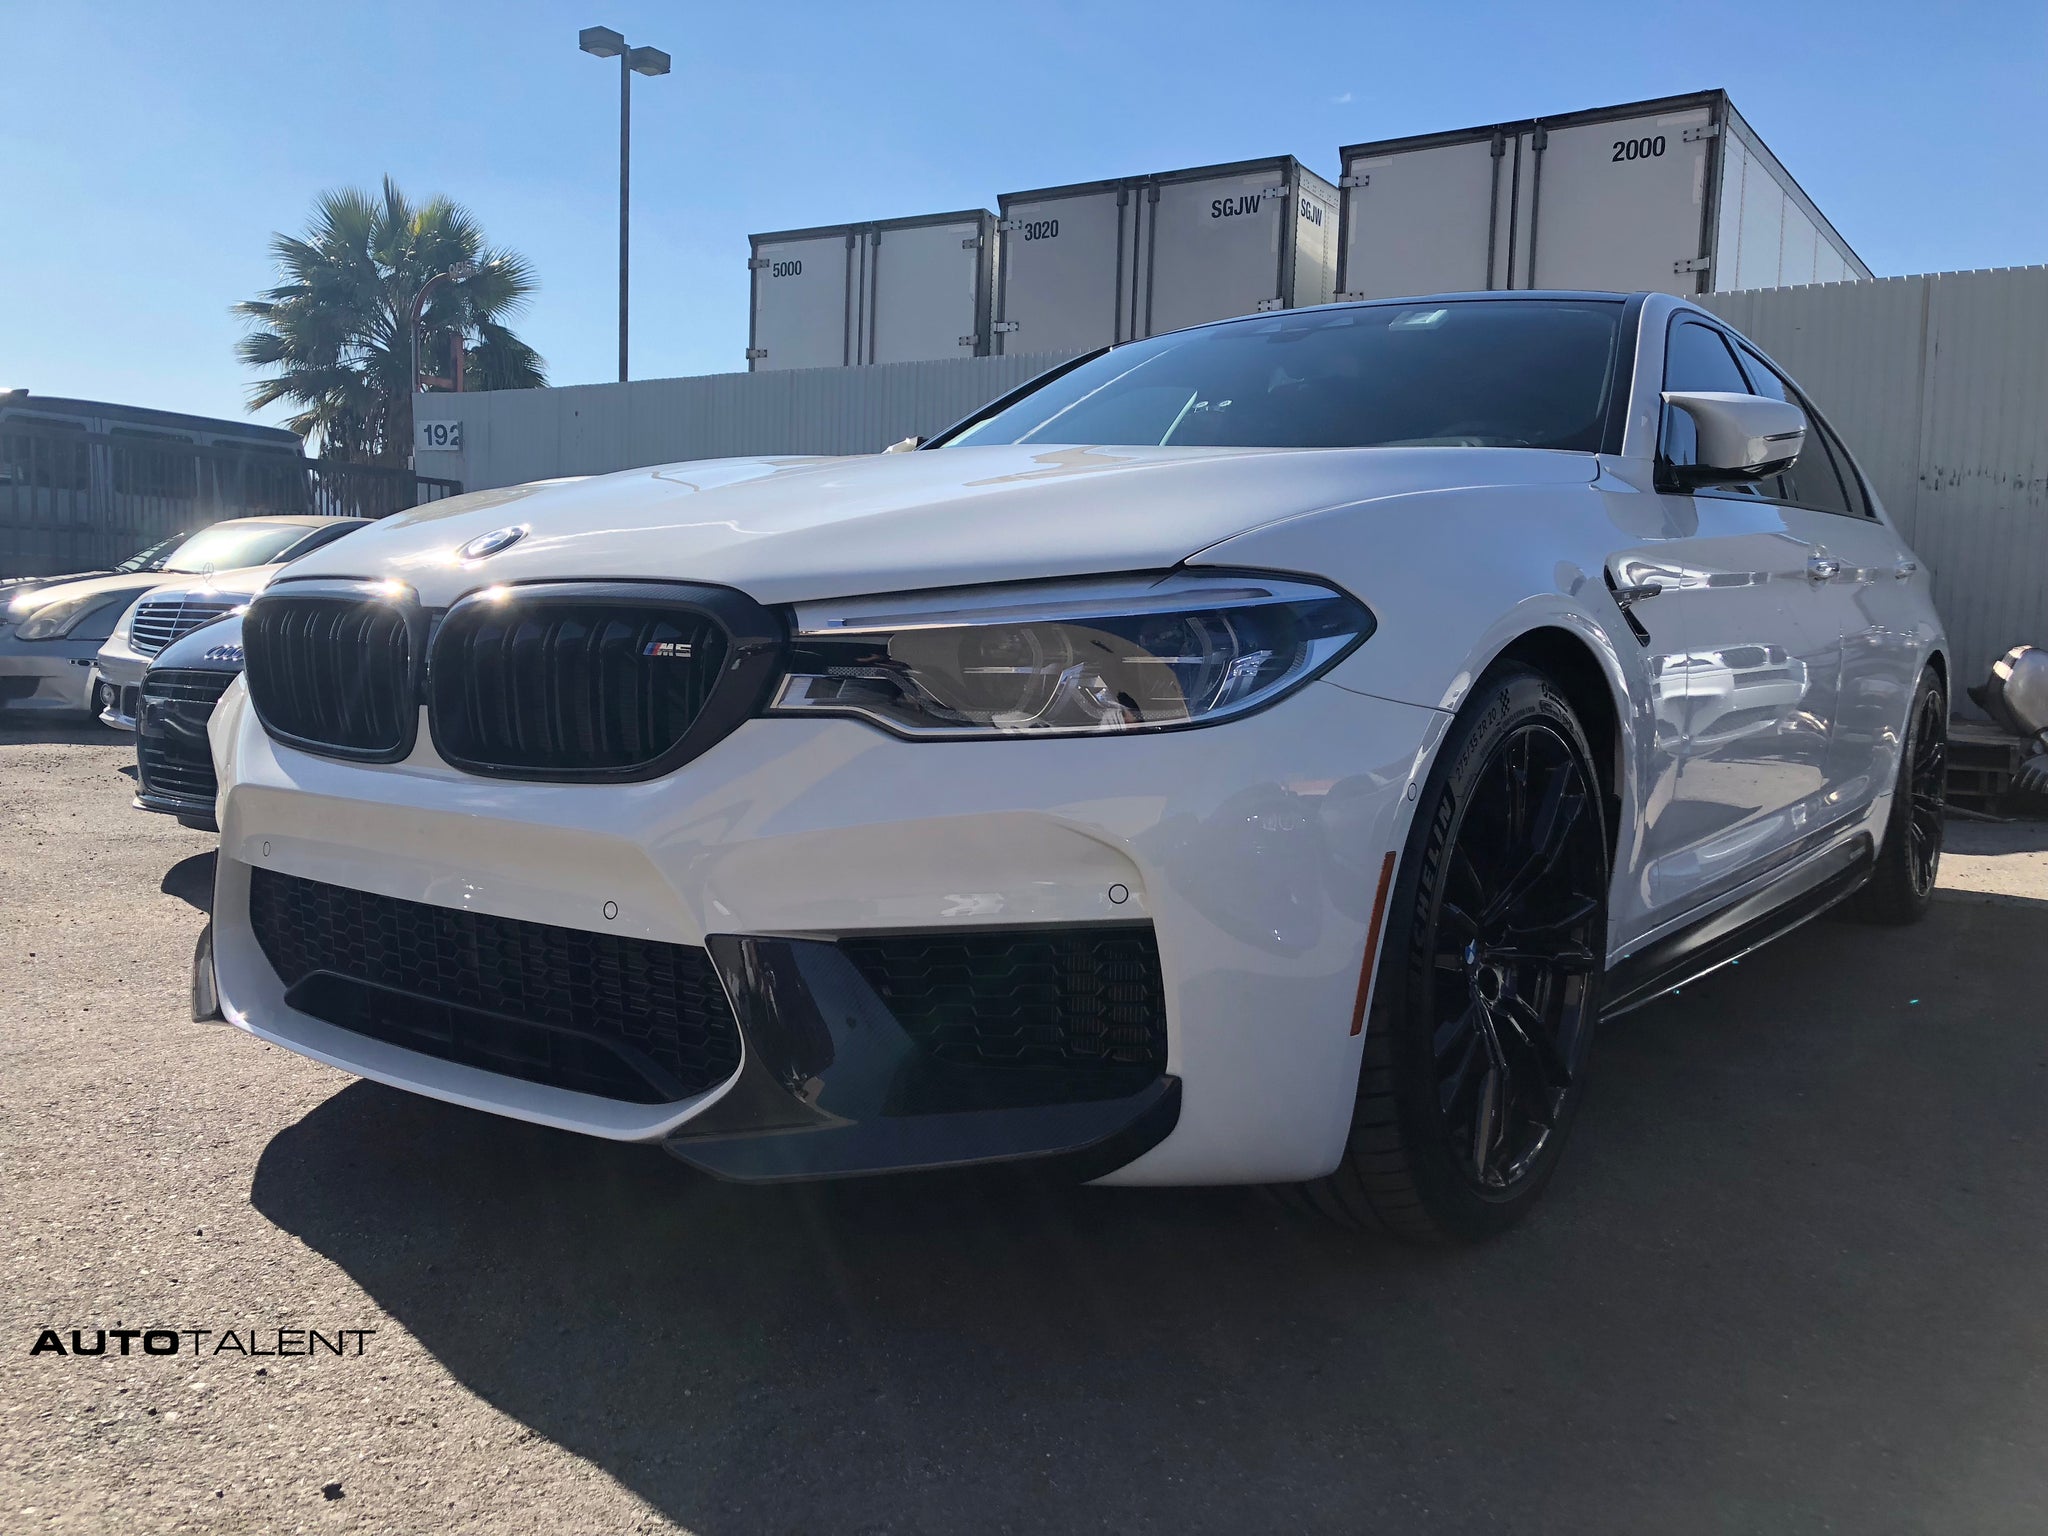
[1939,384]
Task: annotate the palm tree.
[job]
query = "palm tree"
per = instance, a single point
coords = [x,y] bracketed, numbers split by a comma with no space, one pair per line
[334,331]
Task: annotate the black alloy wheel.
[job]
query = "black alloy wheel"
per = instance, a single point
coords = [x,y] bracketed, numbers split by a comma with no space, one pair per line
[1488,982]
[1901,887]
[1513,954]
[1928,784]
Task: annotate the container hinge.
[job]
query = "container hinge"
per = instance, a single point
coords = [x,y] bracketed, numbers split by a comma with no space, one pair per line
[970,341]
[1693,264]
[971,243]
[1266,306]
[755,354]
[1362,179]
[1008,225]
[1272,191]
[1705,131]
[1004,328]
[1352,298]
[756,263]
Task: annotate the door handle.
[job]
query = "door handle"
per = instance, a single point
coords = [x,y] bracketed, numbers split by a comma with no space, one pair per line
[1905,569]
[1628,597]
[1823,567]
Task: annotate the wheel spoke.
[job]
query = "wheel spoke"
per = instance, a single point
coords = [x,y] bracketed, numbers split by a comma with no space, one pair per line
[1522,1022]
[1559,814]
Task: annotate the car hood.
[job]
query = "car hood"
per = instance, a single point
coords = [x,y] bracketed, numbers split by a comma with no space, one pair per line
[787,529]
[245,582]
[94,586]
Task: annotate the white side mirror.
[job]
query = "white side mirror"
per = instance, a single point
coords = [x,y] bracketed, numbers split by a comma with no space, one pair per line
[907,445]
[1741,437]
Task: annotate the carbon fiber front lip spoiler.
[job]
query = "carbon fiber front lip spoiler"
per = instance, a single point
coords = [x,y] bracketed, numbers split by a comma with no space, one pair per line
[821,1090]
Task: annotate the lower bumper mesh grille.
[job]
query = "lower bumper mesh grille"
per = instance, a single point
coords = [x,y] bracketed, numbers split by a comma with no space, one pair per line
[164,770]
[1081,999]
[622,1018]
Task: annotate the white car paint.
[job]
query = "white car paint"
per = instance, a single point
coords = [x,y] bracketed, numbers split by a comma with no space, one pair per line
[1250,845]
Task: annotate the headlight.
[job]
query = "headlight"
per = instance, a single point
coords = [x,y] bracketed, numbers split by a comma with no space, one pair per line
[59,619]
[1128,654]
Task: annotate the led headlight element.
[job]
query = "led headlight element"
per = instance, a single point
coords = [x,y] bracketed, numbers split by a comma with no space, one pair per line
[1126,654]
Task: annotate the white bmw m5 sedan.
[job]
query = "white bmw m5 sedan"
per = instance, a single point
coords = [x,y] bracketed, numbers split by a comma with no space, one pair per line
[1257,754]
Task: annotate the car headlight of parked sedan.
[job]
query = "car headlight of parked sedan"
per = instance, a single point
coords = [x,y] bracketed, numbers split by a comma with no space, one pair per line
[56,620]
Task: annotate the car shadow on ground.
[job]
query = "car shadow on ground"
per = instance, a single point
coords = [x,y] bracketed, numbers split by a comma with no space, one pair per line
[21,729]
[1789,1275]
[191,881]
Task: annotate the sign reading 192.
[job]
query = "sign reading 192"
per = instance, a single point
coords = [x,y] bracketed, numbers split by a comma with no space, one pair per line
[437,436]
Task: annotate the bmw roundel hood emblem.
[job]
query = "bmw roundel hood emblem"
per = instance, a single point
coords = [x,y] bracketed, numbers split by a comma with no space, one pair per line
[490,543]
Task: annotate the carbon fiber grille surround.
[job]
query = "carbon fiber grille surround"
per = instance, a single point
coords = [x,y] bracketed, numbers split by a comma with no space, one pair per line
[622,1018]
[1070,998]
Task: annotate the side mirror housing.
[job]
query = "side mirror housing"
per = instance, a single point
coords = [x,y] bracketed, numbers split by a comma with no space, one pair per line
[1741,437]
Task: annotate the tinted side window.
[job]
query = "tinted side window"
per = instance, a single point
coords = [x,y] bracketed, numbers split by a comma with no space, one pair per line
[1695,357]
[1813,481]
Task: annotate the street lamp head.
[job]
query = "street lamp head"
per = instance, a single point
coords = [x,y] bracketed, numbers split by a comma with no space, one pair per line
[647,61]
[602,41]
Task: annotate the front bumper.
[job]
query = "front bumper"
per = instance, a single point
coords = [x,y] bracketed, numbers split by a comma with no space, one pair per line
[46,675]
[121,669]
[1252,850]
[174,760]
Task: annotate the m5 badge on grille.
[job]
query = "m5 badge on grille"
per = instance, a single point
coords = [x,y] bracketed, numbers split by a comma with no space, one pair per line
[667,650]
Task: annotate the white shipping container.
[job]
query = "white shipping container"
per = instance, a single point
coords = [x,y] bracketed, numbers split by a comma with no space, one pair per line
[893,291]
[1677,194]
[1099,262]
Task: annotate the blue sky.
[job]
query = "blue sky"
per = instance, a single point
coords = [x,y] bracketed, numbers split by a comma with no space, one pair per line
[147,151]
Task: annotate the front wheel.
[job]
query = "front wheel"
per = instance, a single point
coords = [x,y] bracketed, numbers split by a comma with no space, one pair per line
[1901,887]
[1488,984]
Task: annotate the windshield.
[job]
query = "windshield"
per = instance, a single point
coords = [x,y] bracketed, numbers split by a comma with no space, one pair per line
[152,558]
[230,546]
[1522,373]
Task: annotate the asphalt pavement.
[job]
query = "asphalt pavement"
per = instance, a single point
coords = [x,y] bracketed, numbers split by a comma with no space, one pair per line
[1791,1276]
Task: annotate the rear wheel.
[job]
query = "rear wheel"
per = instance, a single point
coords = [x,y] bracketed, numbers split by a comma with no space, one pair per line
[1901,888]
[1488,985]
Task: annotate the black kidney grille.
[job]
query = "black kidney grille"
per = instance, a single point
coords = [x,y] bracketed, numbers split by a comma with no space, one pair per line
[623,1018]
[1090,998]
[569,687]
[332,672]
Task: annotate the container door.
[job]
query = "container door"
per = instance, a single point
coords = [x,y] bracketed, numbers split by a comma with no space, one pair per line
[1064,265]
[803,292]
[1315,244]
[1212,248]
[1616,205]
[1419,221]
[925,292]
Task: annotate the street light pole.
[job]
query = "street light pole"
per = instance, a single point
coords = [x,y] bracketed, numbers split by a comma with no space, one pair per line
[604,43]
[460,271]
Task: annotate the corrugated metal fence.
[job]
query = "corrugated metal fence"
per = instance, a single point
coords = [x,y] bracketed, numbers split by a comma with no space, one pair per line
[1939,384]
[73,500]
[513,436]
